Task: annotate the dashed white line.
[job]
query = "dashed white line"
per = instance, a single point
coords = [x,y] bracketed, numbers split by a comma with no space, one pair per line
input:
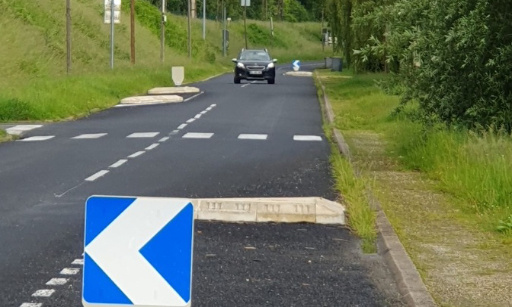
[164,139]
[307,138]
[197,135]
[89,136]
[78,262]
[174,132]
[214,105]
[118,163]
[198,116]
[135,155]
[252,136]
[69,271]
[43,293]
[97,175]
[37,138]
[152,146]
[57,282]
[31,305]
[190,120]
[203,112]
[182,126]
[143,135]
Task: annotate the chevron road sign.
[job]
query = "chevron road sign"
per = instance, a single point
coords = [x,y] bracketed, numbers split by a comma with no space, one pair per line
[138,252]
[296,65]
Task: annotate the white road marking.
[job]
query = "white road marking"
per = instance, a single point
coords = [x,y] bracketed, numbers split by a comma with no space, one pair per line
[43,293]
[97,175]
[135,155]
[197,135]
[203,112]
[78,262]
[190,120]
[118,163]
[152,146]
[89,136]
[38,138]
[57,282]
[198,116]
[213,105]
[252,136]
[164,139]
[31,305]
[182,126]
[143,135]
[174,132]
[307,138]
[190,98]
[69,271]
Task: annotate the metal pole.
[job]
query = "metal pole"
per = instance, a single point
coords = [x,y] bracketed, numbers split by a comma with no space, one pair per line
[132,31]
[204,19]
[245,23]
[111,34]
[189,31]
[323,35]
[224,34]
[68,36]
[162,33]
[271,31]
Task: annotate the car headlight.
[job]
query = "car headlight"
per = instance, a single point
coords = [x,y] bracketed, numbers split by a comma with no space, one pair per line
[240,65]
[271,65]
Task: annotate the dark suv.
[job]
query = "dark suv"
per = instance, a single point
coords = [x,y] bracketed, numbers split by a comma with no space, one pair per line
[255,64]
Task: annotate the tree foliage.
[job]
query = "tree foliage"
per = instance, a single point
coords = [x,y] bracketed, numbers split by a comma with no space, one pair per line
[454,57]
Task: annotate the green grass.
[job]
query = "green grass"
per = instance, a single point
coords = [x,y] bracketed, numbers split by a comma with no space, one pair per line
[476,168]
[34,82]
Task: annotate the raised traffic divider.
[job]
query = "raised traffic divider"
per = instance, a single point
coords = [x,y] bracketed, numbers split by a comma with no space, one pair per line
[173,90]
[148,100]
[299,73]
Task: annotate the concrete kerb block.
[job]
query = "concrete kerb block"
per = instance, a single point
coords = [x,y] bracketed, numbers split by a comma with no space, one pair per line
[279,210]
[173,90]
[299,73]
[151,99]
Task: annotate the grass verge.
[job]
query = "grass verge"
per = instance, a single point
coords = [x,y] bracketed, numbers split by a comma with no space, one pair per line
[442,190]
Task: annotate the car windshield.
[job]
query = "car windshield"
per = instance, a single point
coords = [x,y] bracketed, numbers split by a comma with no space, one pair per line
[255,56]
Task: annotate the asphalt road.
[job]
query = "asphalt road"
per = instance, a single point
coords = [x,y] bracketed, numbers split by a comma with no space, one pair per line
[248,140]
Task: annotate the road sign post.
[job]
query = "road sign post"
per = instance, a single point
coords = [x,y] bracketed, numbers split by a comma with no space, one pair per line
[296,65]
[245,4]
[112,16]
[138,252]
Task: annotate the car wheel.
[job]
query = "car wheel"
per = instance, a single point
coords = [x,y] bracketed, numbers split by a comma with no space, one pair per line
[271,81]
[237,80]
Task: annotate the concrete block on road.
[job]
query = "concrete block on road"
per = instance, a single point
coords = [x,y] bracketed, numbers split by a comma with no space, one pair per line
[299,73]
[173,90]
[156,99]
[279,210]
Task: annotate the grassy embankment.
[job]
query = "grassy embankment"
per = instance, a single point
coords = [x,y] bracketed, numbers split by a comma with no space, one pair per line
[34,82]
[447,193]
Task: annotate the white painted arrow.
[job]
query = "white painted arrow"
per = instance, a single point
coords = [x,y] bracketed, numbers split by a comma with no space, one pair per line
[116,251]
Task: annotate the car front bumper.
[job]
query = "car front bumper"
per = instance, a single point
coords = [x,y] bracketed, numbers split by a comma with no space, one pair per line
[255,74]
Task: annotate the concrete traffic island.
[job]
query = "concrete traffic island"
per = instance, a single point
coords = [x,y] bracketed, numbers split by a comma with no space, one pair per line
[173,90]
[281,210]
[299,73]
[155,99]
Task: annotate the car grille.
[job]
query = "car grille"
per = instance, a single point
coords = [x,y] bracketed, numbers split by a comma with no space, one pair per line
[255,67]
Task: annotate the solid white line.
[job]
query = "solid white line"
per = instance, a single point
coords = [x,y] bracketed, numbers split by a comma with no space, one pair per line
[97,175]
[69,271]
[152,146]
[43,293]
[118,163]
[198,116]
[190,120]
[182,126]
[78,262]
[38,138]
[252,136]
[197,135]
[143,135]
[135,155]
[164,139]
[89,136]
[31,305]
[307,138]
[57,282]
[190,98]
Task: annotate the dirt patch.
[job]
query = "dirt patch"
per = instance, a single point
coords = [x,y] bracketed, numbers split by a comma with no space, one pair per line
[460,265]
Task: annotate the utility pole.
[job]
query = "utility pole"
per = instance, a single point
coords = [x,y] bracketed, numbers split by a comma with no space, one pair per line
[162,33]
[132,31]
[189,30]
[245,22]
[68,36]
[204,19]
[224,30]
[323,34]
[111,34]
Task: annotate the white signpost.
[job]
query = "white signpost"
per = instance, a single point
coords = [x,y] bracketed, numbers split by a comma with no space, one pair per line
[178,75]
[246,2]
[138,252]
[108,10]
